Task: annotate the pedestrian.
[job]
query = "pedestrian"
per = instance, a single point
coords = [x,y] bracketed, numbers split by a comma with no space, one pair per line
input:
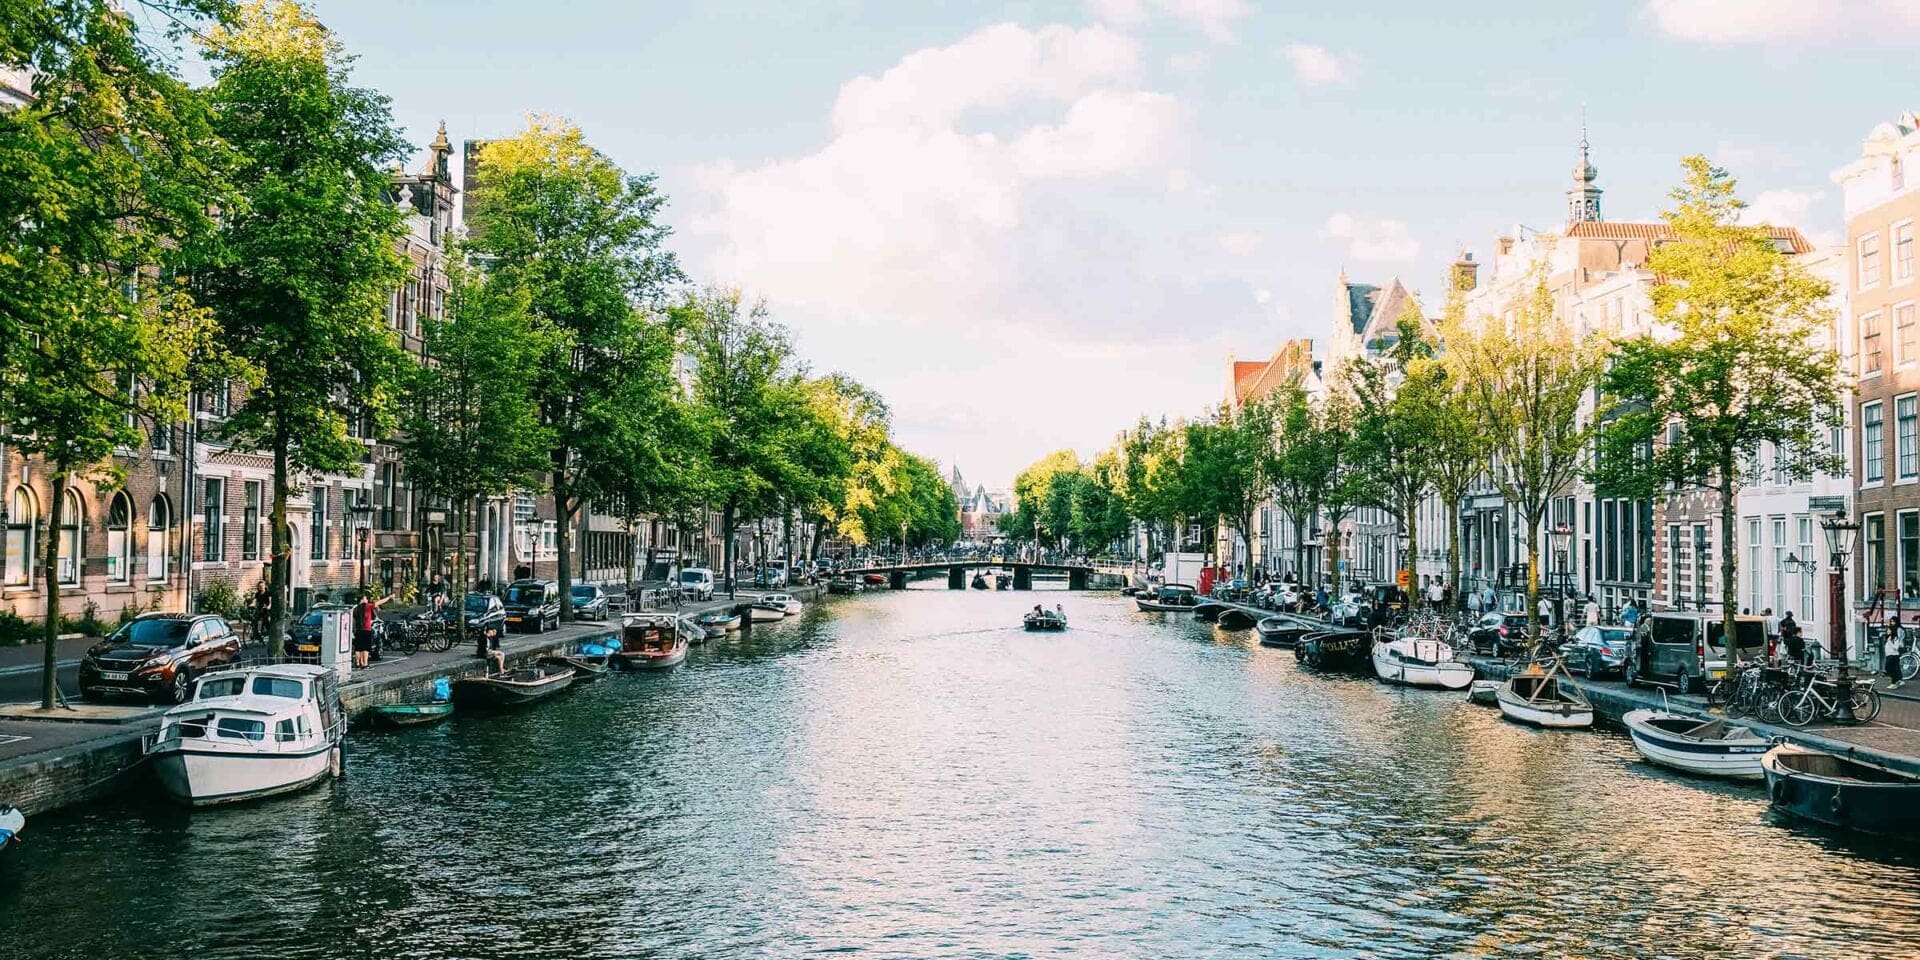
[1473,603]
[438,588]
[1773,626]
[1796,645]
[1489,602]
[1593,610]
[262,608]
[1630,614]
[1437,595]
[363,616]
[1545,610]
[1890,648]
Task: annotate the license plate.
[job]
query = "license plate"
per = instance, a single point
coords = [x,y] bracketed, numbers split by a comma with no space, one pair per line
[304,648]
[113,676]
[513,619]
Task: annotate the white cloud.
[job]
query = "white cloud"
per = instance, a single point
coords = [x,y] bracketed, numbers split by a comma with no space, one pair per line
[1372,240]
[1745,159]
[1792,208]
[963,226]
[1190,62]
[1782,21]
[1317,66]
[1241,243]
[1215,19]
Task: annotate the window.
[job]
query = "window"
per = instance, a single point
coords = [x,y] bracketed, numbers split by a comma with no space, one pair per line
[1871,357]
[1873,442]
[1779,565]
[1875,535]
[348,500]
[162,438]
[69,541]
[250,522]
[214,525]
[1909,521]
[388,472]
[1782,466]
[317,539]
[1903,252]
[1702,563]
[22,515]
[1906,437]
[1753,564]
[120,538]
[283,731]
[159,524]
[220,398]
[1837,441]
[1806,572]
[277,687]
[240,728]
[1903,343]
[1869,260]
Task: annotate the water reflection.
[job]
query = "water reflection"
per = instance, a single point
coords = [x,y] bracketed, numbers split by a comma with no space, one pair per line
[912,775]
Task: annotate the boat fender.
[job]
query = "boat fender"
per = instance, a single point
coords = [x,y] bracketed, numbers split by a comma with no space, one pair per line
[1782,791]
[1837,805]
[442,689]
[337,760]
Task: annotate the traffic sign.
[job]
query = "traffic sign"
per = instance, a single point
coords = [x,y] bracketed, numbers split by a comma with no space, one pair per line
[1404,578]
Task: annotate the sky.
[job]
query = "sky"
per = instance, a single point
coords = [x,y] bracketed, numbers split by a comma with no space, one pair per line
[1029,223]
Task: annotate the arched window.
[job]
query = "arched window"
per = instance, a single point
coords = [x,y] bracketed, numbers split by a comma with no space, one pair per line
[22,513]
[120,538]
[71,517]
[159,535]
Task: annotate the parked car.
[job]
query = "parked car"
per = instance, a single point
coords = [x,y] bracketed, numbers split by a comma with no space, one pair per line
[589,602]
[697,583]
[532,605]
[1499,634]
[1599,651]
[1687,650]
[157,655]
[485,612]
[769,577]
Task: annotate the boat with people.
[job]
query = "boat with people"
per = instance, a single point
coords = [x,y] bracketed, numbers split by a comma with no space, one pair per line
[1334,649]
[515,687]
[12,822]
[1282,631]
[248,733]
[1545,698]
[653,642]
[1420,662]
[1710,748]
[1170,598]
[1842,792]
[1040,618]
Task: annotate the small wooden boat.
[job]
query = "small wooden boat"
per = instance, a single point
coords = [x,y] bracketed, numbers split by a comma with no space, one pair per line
[585,669]
[980,582]
[1825,788]
[1420,663]
[718,623]
[1484,692]
[392,716]
[1545,698]
[1045,620]
[1234,618]
[654,642]
[1281,632]
[521,685]
[1334,649]
[1209,610]
[1175,598]
[1711,748]
[766,613]
[12,821]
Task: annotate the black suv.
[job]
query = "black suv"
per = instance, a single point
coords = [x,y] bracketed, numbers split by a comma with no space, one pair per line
[1499,634]
[157,655]
[532,605]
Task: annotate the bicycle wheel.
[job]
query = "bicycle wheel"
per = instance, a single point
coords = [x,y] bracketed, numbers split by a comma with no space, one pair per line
[403,640]
[1866,703]
[1798,709]
[1769,709]
[1909,664]
[439,638]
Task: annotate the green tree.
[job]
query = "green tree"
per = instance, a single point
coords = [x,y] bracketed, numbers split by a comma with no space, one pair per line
[1036,508]
[300,270]
[859,424]
[1396,430]
[583,239]
[1299,466]
[1228,456]
[104,176]
[1346,484]
[472,428]
[1737,364]
[1457,451]
[1099,517]
[1526,382]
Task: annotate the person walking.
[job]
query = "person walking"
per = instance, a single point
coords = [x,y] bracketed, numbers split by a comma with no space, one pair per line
[262,609]
[1630,614]
[1593,611]
[1473,604]
[1890,649]
[1489,601]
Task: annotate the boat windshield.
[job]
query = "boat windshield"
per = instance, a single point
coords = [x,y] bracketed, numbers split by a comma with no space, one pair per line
[240,728]
[278,687]
[222,687]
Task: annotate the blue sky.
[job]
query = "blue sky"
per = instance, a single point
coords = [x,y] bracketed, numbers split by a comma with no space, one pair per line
[1031,222]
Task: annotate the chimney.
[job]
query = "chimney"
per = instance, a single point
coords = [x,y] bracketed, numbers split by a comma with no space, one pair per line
[1466,273]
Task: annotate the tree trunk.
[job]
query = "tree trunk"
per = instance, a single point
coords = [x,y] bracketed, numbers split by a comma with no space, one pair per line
[1407,562]
[1453,556]
[460,578]
[562,503]
[282,571]
[786,538]
[1729,590]
[50,655]
[1533,574]
[1333,558]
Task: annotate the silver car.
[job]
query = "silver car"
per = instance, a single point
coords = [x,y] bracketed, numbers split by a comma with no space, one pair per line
[589,602]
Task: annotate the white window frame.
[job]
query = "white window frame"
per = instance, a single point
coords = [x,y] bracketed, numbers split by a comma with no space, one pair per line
[1861,258]
[1906,443]
[1904,226]
[1873,452]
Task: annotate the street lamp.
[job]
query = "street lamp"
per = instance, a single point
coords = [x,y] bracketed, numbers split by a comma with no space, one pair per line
[1840,530]
[1404,579]
[903,541]
[436,540]
[362,528]
[1562,543]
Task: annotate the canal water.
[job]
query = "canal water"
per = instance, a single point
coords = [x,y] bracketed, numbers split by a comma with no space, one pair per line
[906,775]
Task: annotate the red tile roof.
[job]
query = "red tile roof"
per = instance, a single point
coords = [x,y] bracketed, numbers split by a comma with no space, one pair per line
[1658,232]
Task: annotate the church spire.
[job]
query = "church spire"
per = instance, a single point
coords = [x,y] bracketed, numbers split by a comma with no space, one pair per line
[1583,198]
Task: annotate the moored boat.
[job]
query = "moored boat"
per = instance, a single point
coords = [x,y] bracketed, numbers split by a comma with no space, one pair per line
[512,688]
[766,613]
[1176,598]
[723,621]
[787,603]
[1234,618]
[1333,649]
[1208,610]
[1712,748]
[653,642]
[586,669]
[1420,663]
[395,715]
[875,579]
[843,586]
[1282,631]
[1545,699]
[249,733]
[12,821]
[1484,692]
[1840,792]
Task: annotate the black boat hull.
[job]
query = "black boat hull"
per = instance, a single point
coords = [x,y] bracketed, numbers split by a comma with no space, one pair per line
[1335,650]
[1887,807]
[1235,619]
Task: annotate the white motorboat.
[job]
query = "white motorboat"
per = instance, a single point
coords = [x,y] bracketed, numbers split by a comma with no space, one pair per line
[1485,692]
[12,821]
[250,732]
[1420,663]
[785,601]
[1712,748]
[766,612]
[1545,699]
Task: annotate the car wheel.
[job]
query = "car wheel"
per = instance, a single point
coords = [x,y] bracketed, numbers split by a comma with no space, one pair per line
[1686,684]
[182,685]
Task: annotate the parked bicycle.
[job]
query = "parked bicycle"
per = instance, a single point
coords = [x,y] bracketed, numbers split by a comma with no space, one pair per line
[1817,697]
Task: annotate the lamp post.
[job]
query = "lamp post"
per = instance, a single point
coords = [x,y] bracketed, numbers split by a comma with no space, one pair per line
[1840,529]
[1403,578]
[6,523]
[362,528]
[903,541]
[1562,542]
[436,541]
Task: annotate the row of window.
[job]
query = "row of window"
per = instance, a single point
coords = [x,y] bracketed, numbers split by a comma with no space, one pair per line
[1867,256]
[1873,538]
[1792,589]
[1906,437]
[23,550]
[1873,348]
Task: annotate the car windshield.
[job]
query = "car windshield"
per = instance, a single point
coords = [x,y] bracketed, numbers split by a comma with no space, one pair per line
[692,576]
[312,619]
[526,594]
[477,602]
[1613,636]
[582,592]
[155,633]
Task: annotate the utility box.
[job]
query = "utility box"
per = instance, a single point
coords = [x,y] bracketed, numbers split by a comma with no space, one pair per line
[336,642]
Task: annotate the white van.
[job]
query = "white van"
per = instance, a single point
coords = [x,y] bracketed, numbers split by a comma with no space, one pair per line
[697,582]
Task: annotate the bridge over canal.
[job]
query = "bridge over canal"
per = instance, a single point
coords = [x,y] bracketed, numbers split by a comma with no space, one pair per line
[1078,576]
